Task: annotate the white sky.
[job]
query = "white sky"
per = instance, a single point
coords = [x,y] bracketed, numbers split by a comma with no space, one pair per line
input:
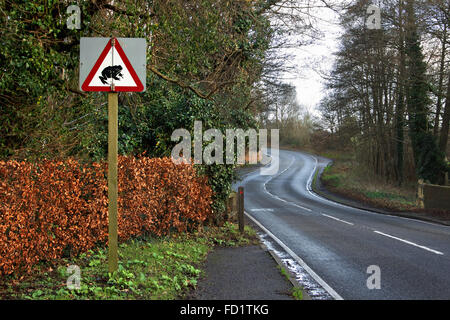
[314,59]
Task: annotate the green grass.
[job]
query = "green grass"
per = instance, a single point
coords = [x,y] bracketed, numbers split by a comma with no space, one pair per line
[152,268]
[389,196]
[284,272]
[297,293]
[333,180]
[381,195]
[330,178]
[347,178]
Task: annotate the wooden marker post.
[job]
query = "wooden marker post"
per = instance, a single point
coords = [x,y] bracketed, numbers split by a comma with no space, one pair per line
[241,209]
[113,65]
[420,196]
[113,258]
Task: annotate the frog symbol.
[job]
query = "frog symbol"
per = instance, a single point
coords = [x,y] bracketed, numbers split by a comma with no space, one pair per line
[113,72]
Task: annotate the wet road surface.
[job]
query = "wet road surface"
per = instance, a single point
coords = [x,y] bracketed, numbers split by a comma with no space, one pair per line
[339,243]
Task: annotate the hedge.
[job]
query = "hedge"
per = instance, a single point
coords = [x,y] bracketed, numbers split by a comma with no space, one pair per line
[53,209]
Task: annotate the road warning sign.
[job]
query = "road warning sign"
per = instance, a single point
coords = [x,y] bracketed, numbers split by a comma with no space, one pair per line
[112,65]
[113,69]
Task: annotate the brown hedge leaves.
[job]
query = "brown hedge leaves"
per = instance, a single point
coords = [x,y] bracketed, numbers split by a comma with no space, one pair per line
[51,209]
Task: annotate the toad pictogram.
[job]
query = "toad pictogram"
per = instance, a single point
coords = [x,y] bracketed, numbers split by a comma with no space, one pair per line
[111,72]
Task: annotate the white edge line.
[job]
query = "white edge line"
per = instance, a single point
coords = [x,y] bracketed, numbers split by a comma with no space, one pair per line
[408,242]
[319,280]
[310,191]
[331,217]
[278,198]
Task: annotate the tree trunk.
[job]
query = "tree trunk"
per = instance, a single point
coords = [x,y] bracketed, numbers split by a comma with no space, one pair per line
[441,81]
[400,111]
[445,121]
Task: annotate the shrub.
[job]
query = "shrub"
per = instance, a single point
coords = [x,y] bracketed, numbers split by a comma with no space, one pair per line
[55,208]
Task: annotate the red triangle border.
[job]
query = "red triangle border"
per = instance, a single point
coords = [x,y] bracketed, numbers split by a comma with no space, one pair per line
[139,87]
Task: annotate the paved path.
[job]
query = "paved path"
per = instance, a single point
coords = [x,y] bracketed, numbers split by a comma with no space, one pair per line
[244,273]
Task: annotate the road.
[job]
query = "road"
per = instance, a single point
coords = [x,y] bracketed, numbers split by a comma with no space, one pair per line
[339,243]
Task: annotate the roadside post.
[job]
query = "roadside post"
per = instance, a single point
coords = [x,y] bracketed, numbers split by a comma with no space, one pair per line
[113,103]
[241,209]
[232,206]
[113,65]
[420,196]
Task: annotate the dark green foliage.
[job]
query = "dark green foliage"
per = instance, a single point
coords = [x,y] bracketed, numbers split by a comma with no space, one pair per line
[201,47]
[429,160]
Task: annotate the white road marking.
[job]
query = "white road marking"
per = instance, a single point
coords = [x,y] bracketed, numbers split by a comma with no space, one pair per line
[278,198]
[261,209]
[309,189]
[408,242]
[314,275]
[331,217]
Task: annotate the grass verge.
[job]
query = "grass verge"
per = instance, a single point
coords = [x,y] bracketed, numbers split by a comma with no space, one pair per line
[344,178]
[347,182]
[149,268]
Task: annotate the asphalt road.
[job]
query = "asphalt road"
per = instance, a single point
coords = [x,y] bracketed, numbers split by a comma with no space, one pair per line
[339,243]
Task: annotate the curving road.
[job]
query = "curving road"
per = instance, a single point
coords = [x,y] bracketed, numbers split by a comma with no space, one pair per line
[339,243]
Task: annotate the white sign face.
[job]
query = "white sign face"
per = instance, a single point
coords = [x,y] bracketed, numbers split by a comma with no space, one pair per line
[112,70]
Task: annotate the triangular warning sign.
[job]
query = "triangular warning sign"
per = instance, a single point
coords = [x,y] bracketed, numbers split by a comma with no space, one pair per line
[112,70]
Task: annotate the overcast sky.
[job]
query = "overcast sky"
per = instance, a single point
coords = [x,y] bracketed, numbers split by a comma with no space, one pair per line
[314,59]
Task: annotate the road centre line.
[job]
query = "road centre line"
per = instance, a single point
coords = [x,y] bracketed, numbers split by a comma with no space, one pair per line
[408,242]
[309,189]
[323,199]
[331,217]
[278,198]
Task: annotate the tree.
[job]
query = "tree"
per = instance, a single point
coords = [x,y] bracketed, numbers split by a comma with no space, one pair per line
[443,140]
[381,80]
[427,156]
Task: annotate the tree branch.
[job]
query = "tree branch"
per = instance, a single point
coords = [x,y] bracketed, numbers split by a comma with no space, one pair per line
[125,12]
[187,86]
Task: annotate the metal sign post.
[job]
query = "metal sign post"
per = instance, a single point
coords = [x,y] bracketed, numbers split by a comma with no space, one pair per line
[113,65]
